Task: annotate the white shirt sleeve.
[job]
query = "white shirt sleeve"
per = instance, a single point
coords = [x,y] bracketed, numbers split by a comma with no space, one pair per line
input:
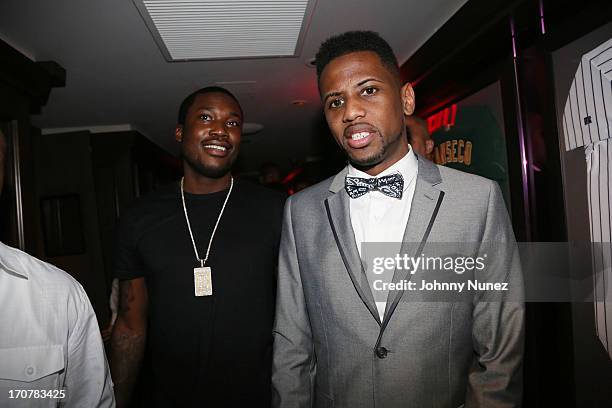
[88,382]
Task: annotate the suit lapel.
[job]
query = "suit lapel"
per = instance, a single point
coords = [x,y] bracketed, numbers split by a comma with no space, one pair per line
[338,214]
[425,205]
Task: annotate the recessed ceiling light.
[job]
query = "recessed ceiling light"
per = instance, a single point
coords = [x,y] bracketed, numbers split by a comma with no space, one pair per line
[226,29]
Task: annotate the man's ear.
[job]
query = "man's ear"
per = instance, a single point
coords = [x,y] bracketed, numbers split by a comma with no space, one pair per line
[408,103]
[178,133]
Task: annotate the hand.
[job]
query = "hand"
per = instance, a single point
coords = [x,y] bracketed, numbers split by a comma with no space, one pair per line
[106,333]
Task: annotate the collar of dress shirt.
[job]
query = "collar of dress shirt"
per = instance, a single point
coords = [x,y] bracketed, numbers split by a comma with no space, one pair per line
[407,166]
[9,261]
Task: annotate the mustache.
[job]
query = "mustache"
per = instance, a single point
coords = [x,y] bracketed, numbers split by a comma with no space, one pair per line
[217,142]
[359,127]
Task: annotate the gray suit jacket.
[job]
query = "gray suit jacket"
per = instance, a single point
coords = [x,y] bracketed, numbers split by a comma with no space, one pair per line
[328,334]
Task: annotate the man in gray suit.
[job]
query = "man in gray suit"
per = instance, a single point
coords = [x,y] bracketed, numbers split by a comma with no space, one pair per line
[336,342]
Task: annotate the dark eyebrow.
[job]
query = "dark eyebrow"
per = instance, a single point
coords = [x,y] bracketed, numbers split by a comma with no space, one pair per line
[368,80]
[360,83]
[213,109]
[329,95]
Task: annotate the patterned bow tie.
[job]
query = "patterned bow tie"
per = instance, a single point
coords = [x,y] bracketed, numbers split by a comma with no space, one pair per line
[391,185]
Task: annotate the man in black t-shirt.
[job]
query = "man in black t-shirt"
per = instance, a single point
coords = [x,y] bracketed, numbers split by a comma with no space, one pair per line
[196,263]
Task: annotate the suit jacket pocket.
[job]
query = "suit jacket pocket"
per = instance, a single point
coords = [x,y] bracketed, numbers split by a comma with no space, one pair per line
[32,365]
[323,401]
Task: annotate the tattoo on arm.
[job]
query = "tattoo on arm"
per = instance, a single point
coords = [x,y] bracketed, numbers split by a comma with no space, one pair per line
[126,294]
[128,339]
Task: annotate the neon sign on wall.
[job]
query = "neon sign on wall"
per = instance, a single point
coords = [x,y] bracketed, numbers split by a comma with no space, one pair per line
[445,118]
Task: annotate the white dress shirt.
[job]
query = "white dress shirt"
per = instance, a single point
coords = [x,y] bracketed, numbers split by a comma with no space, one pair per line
[49,338]
[376,217]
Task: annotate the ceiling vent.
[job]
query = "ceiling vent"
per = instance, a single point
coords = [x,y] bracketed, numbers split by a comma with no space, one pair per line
[217,29]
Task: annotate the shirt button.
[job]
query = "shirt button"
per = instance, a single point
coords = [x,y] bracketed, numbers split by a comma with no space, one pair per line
[381,352]
[30,371]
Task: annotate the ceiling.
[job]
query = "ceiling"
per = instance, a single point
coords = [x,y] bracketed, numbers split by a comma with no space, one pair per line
[117,77]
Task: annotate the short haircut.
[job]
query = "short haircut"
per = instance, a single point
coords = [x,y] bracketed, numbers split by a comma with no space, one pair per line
[355,41]
[188,101]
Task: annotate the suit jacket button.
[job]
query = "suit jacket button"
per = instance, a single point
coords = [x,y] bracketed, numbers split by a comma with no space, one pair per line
[381,352]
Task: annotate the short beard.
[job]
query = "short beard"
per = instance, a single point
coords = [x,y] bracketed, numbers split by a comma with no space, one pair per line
[207,171]
[371,161]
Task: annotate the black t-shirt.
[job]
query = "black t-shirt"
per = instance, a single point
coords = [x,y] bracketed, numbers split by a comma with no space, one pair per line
[213,350]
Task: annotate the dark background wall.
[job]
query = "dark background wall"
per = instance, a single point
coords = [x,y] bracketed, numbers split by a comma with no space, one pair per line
[107,172]
[63,164]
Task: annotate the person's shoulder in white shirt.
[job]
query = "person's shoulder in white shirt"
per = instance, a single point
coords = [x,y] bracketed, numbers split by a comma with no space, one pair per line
[50,342]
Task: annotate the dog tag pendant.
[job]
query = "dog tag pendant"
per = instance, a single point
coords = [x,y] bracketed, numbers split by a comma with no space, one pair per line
[202,280]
